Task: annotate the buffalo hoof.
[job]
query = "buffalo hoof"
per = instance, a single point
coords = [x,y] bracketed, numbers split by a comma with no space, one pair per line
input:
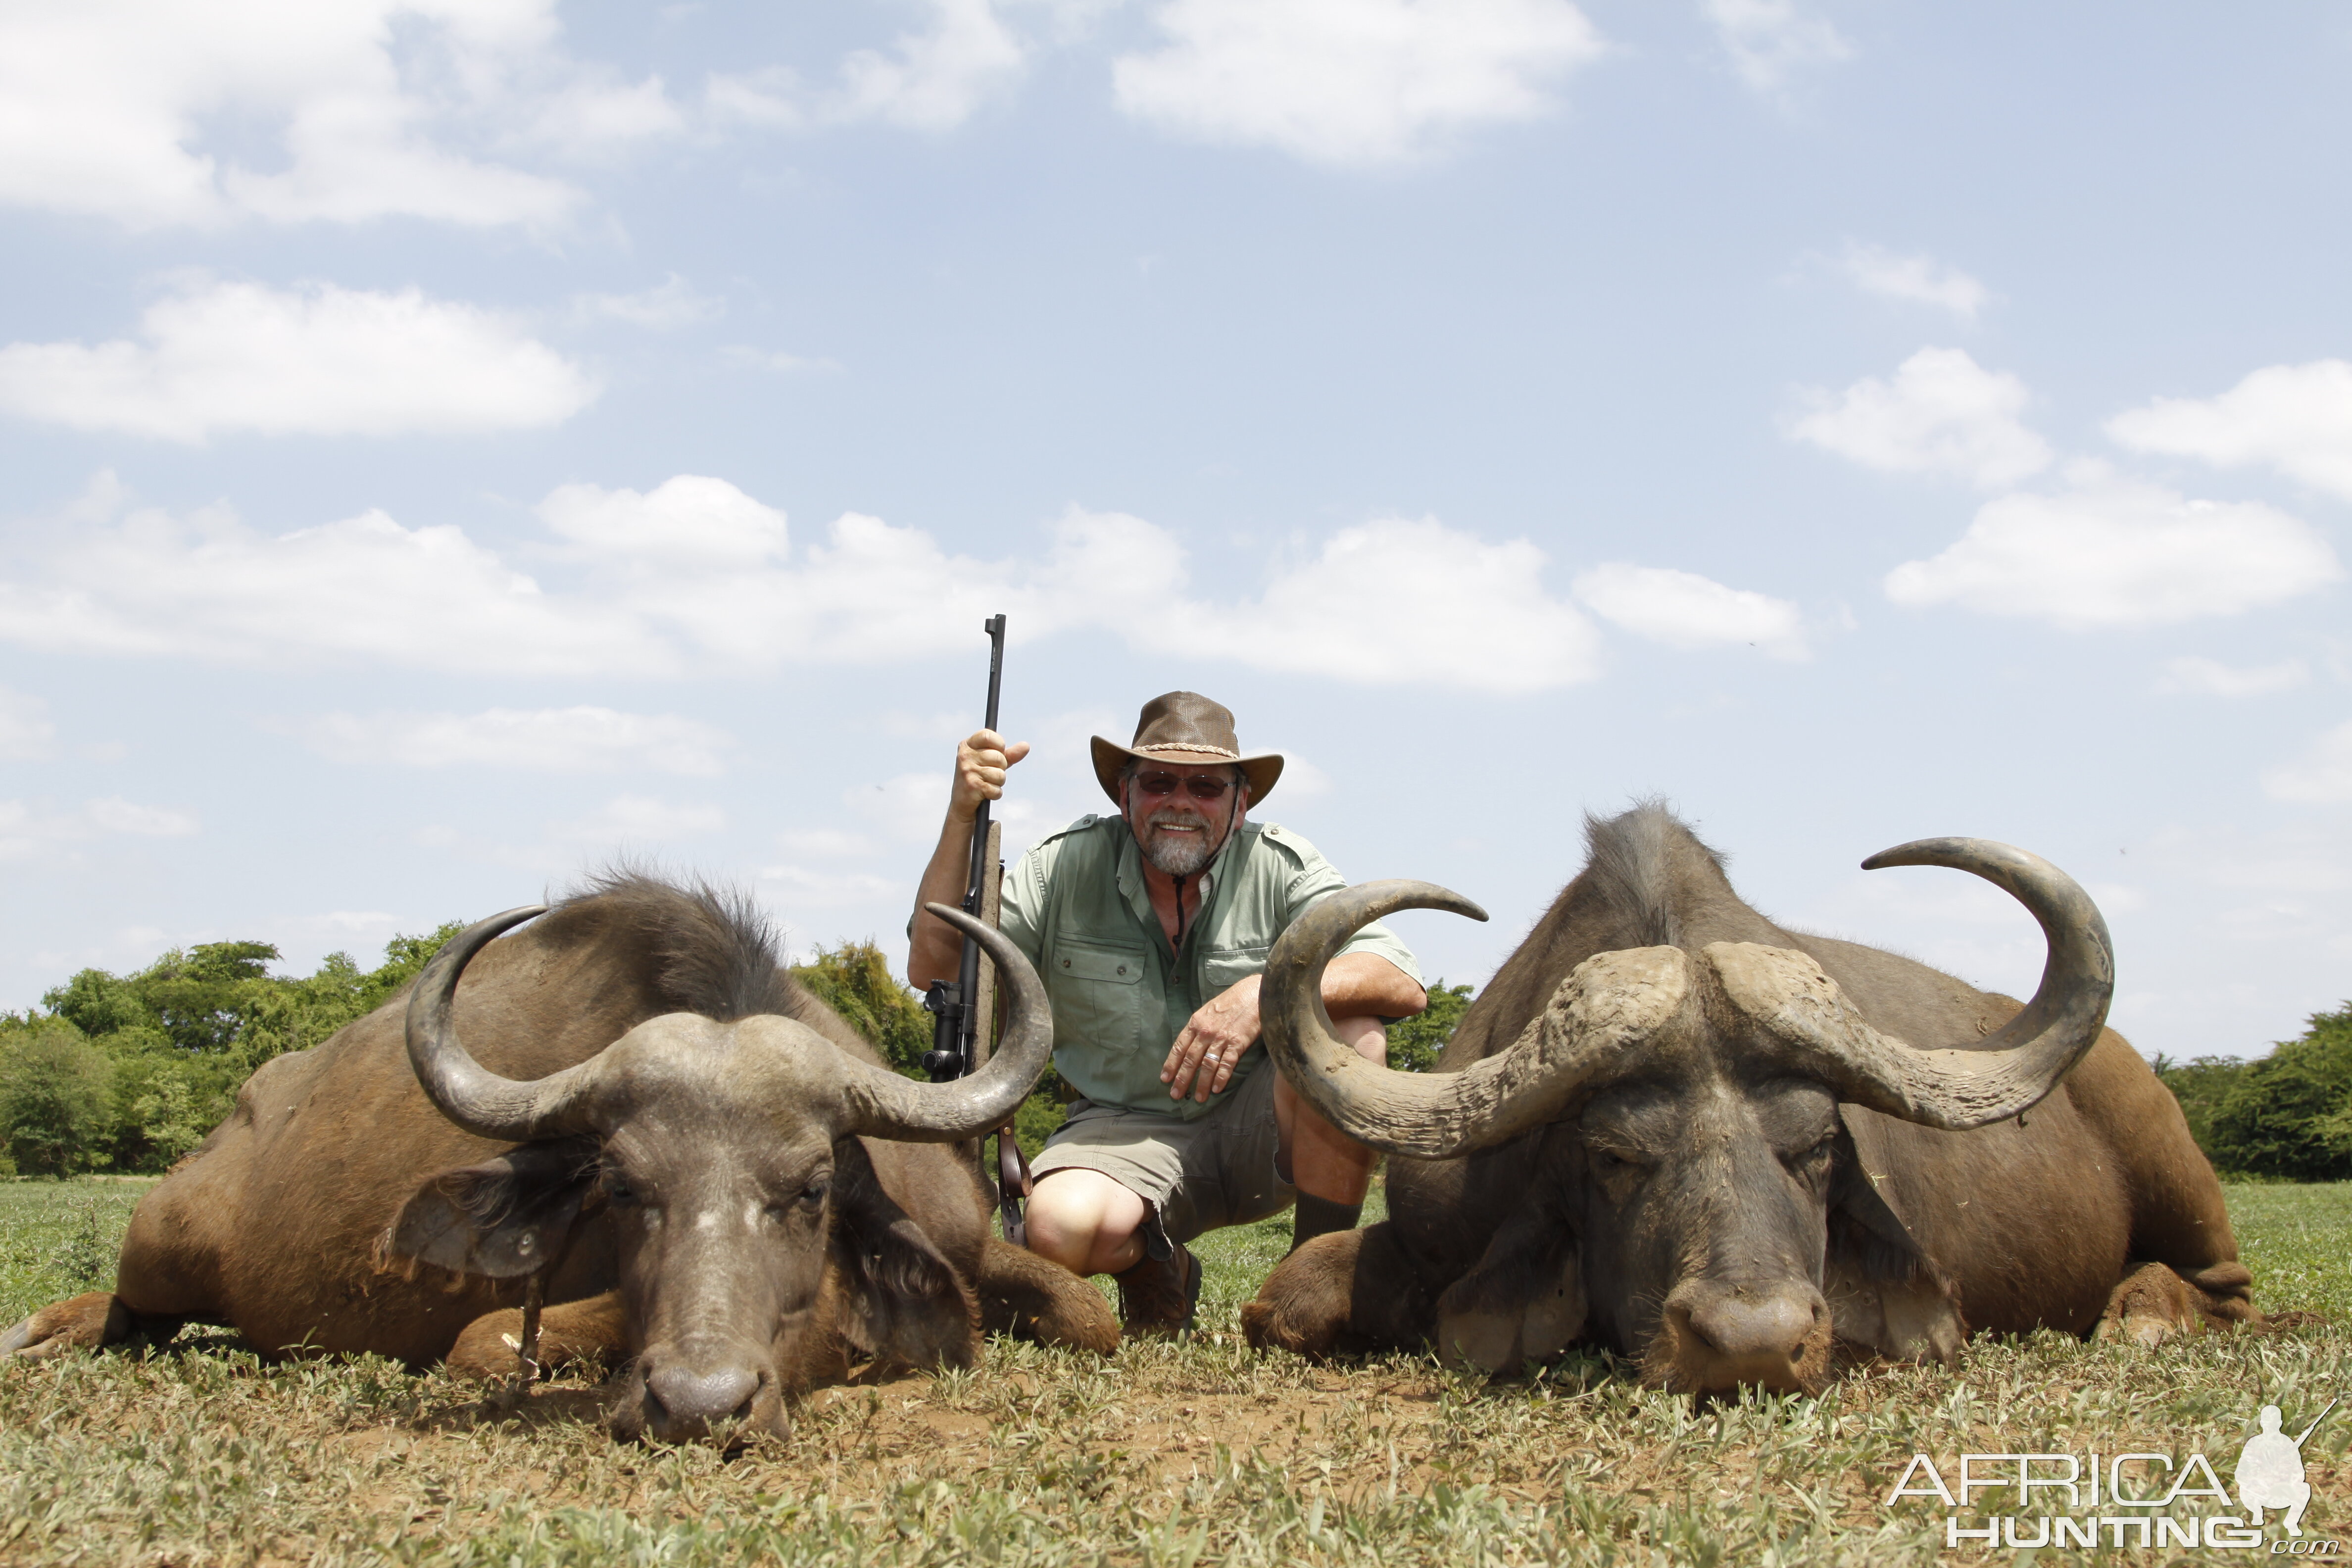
[81,1323]
[1032,1297]
[2154,1304]
[1305,1305]
[571,1334]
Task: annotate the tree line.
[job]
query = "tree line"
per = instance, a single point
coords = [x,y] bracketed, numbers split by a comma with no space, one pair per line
[129,1072]
[2286,1116]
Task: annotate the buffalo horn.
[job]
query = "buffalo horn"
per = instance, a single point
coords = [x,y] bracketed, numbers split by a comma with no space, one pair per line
[477,1100]
[1612,1001]
[884,1105]
[2013,1069]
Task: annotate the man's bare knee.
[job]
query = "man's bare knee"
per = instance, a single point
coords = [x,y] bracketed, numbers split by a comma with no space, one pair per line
[1085,1221]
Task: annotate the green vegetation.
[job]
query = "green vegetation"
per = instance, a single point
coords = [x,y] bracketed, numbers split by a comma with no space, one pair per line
[855,981]
[130,1072]
[1415,1043]
[1197,1453]
[2286,1116]
[127,1073]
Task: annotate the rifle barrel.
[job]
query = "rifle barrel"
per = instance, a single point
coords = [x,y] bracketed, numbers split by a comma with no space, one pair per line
[968,1024]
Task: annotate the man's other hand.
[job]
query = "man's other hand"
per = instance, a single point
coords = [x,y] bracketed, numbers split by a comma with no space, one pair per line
[981,762]
[1201,1062]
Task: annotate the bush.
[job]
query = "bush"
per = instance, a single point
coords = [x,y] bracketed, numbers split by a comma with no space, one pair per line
[855,981]
[1415,1043]
[2286,1116]
[53,1098]
[160,1054]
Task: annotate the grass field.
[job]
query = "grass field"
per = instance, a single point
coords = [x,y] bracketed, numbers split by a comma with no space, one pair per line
[1174,1454]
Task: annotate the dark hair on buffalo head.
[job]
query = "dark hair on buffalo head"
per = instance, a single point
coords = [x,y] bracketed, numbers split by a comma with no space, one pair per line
[715,952]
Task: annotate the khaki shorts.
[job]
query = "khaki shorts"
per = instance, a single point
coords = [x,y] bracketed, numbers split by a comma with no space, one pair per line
[1200,1176]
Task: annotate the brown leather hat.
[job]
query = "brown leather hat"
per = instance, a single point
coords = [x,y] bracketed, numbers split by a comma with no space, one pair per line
[1187,729]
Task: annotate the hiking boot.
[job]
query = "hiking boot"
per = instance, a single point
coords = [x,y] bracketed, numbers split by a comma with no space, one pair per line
[1158,1297]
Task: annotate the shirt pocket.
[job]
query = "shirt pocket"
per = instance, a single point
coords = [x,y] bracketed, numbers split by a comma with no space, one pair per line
[1097,996]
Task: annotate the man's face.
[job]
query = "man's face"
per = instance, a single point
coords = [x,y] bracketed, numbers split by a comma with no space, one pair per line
[1176,830]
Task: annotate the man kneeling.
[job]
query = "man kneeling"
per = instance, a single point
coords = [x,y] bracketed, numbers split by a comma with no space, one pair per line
[1150,929]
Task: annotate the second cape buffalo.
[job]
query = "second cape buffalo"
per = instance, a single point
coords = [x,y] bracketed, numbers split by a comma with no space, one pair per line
[728,1194]
[1675,1129]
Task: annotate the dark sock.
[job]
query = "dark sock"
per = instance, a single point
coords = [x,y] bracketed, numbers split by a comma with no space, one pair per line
[1320,1217]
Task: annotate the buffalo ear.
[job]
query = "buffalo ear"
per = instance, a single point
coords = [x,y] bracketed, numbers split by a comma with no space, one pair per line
[905,1300]
[500,1219]
[1884,1292]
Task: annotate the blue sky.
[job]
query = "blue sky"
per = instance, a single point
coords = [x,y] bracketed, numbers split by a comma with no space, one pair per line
[450,445]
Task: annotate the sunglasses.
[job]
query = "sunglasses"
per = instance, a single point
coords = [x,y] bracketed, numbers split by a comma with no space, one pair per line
[1200,786]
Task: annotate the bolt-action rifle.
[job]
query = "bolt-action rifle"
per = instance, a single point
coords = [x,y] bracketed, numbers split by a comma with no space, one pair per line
[962,1007]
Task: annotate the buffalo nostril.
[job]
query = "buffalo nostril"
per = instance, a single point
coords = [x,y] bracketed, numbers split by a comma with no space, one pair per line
[689,1399]
[1741,1326]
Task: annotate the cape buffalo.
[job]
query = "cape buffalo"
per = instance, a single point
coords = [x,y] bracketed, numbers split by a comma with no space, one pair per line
[1697,1138]
[723,1188]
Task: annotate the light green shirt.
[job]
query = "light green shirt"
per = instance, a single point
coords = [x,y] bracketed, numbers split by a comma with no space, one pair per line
[1077,908]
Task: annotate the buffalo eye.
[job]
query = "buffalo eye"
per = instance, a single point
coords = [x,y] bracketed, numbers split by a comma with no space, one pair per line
[808,1200]
[1618,1164]
[1814,1155]
[618,1193]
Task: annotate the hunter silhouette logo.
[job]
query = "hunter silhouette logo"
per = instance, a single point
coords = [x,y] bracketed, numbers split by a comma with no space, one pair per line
[2270,1471]
[2136,1498]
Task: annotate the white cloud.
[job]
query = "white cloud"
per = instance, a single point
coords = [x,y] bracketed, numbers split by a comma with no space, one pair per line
[2323,775]
[558,739]
[930,80]
[804,888]
[115,815]
[2111,553]
[632,819]
[673,302]
[772,359]
[906,809]
[223,357]
[2193,676]
[1352,81]
[1769,40]
[696,576]
[830,842]
[141,111]
[2297,418]
[1921,279]
[691,523]
[1481,617]
[1684,610]
[1943,415]
[207,586]
[27,830]
[26,733]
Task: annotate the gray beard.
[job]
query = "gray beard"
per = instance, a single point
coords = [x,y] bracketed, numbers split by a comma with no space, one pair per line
[1177,856]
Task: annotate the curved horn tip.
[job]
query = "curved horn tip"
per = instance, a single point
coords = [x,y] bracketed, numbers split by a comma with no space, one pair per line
[953,915]
[1939,851]
[1398,894]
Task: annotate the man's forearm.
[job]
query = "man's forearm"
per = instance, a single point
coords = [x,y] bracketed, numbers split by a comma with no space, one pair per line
[935,952]
[1365,985]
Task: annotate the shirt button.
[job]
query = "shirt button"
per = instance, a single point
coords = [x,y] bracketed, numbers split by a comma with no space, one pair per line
[1066,964]
[1122,969]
